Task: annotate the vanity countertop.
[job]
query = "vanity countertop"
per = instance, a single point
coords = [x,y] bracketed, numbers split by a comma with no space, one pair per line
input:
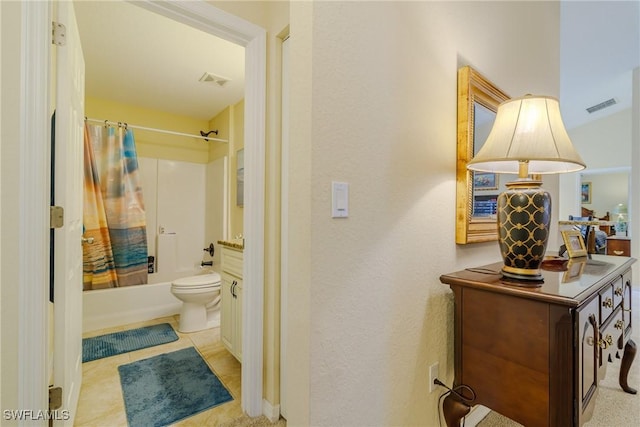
[232,243]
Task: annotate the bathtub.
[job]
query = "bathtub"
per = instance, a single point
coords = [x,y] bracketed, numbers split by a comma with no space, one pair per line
[106,308]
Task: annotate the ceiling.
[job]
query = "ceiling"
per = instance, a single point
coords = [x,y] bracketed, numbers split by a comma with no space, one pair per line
[600,46]
[141,58]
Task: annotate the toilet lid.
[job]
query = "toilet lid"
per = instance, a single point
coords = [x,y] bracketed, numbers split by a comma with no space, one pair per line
[199,281]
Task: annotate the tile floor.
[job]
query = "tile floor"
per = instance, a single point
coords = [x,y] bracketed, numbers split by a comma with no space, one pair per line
[101,402]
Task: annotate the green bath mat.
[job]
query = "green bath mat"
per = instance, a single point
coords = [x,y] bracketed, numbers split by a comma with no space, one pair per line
[126,341]
[167,388]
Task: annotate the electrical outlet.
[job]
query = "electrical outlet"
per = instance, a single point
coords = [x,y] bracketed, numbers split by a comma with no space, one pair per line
[433,374]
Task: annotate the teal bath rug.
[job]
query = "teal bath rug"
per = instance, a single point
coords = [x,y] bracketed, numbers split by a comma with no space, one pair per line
[126,341]
[167,388]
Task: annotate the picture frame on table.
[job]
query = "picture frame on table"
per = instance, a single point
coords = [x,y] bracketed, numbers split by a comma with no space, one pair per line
[574,243]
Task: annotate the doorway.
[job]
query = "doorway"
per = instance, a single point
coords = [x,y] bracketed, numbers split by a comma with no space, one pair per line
[204,17]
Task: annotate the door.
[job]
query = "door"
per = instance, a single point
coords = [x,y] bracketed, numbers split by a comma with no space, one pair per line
[68,193]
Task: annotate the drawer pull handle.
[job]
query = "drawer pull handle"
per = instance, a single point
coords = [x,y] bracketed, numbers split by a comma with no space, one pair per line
[618,292]
[606,342]
[618,252]
[608,302]
[619,324]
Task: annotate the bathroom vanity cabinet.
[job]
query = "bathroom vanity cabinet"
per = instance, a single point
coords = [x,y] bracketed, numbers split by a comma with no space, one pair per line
[536,354]
[231,304]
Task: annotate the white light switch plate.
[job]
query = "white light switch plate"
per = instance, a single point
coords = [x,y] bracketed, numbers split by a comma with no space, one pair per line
[339,199]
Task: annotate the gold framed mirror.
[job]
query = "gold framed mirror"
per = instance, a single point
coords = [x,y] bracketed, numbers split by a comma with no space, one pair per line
[476,193]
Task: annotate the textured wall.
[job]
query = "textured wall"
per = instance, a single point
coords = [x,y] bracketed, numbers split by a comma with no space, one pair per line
[374,104]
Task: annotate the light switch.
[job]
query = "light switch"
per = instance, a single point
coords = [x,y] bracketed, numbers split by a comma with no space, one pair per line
[339,199]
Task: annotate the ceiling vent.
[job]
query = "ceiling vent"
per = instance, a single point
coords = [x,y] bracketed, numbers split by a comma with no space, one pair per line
[602,105]
[212,78]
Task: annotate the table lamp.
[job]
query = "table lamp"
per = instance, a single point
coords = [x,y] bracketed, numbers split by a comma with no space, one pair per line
[527,137]
[621,212]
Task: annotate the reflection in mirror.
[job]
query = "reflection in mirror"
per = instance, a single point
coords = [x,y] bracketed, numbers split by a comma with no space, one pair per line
[476,193]
[484,184]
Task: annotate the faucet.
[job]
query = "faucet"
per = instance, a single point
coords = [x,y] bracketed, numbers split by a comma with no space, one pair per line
[205,263]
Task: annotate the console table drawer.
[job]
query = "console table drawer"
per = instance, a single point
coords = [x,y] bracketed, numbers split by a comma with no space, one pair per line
[606,303]
[619,246]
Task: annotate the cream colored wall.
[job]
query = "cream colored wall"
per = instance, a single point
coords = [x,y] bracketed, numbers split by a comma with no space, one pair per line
[373,103]
[10,30]
[1,216]
[603,144]
[607,190]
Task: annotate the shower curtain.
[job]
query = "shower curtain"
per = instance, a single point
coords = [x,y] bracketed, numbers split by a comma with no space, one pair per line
[113,210]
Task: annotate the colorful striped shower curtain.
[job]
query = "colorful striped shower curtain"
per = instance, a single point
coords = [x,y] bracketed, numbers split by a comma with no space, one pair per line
[113,210]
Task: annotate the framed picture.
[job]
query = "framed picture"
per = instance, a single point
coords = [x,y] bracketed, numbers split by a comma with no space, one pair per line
[574,243]
[574,271]
[240,178]
[585,192]
[485,181]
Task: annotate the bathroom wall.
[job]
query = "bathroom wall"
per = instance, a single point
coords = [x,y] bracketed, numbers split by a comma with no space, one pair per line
[230,125]
[154,144]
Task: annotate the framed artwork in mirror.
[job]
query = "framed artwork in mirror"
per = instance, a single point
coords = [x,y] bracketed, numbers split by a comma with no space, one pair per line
[476,193]
[485,181]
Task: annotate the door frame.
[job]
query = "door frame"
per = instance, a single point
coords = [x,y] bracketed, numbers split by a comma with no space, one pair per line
[34,229]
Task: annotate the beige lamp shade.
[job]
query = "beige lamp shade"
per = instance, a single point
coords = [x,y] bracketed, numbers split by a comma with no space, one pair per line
[528,129]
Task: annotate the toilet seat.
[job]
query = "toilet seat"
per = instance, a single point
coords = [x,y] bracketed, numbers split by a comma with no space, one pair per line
[209,280]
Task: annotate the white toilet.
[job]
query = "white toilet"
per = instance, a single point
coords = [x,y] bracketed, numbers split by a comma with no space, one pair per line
[200,296]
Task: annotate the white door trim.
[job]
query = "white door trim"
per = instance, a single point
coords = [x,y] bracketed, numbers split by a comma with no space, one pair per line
[34,183]
[284,227]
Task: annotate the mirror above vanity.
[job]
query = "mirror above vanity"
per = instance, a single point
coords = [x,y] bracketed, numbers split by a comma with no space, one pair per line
[476,192]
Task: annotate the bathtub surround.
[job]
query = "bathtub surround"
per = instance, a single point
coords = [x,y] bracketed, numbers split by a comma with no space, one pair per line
[167,388]
[113,210]
[115,343]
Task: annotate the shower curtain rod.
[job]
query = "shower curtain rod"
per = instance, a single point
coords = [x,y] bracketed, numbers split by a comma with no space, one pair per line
[108,122]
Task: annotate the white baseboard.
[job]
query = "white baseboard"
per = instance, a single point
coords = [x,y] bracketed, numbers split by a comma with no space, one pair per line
[477,414]
[272,412]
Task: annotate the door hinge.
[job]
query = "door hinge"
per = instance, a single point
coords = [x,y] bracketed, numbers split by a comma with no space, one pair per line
[56,216]
[55,398]
[58,34]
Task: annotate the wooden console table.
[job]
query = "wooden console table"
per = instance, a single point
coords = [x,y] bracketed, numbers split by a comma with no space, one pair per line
[536,354]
